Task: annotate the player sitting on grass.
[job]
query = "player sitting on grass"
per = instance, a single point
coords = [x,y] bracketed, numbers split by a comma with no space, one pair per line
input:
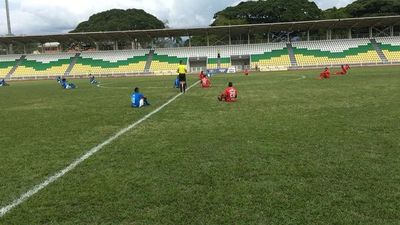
[205,82]
[230,94]
[3,83]
[201,75]
[93,80]
[66,85]
[345,69]
[326,74]
[138,99]
[246,72]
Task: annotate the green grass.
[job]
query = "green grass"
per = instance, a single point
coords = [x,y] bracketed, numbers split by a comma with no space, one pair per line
[291,151]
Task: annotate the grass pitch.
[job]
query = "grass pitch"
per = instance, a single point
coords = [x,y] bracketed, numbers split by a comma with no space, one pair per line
[291,151]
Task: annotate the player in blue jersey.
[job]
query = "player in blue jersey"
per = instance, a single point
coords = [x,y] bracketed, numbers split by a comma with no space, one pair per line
[93,80]
[177,82]
[66,85]
[59,80]
[138,99]
[3,83]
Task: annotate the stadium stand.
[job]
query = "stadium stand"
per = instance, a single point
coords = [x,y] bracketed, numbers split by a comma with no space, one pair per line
[44,65]
[166,60]
[113,62]
[275,54]
[7,62]
[390,47]
[335,52]
[261,54]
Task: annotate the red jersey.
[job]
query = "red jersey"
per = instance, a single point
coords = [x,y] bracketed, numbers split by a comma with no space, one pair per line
[202,75]
[326,74]
[231,94]
[205,82]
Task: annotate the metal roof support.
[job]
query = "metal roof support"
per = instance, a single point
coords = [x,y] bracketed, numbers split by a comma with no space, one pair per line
[328,34]
[350,34]
[190,41]
[248,38]
[116,45]
[391,31]
[371,35]
[308,35]
[230,37]
[208,39]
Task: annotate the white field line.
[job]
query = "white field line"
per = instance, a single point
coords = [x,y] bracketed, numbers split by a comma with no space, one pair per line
[301,78]
[4,210]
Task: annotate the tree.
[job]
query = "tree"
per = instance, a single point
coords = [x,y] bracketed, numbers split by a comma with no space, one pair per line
[365,8]
[119,20]
[268,11]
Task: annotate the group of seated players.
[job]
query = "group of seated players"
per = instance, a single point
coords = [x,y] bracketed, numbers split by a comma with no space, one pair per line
[66,85]
[230,94]
[326,74]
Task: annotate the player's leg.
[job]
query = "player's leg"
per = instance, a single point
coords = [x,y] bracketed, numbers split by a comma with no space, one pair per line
[222,97]
[141,103]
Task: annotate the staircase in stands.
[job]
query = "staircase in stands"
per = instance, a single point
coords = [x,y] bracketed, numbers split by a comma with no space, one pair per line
[17,63]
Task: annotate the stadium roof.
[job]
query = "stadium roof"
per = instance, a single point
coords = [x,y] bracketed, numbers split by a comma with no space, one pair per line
[218,30]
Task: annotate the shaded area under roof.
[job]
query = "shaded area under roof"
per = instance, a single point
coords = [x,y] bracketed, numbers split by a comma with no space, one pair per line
[219,30]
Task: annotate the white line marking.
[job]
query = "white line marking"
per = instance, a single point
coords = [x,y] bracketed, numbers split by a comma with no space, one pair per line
[301,78]
[78,161]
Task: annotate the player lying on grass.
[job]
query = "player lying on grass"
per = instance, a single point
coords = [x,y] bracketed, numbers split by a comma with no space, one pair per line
[345,69]
[59,80]
[66,85]
[138,99]
[326,74]
[3,83]
[205,82]
[230,94]
[93,80]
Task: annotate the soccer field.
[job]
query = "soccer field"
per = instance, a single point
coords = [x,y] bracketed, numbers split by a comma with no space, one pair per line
[292,150]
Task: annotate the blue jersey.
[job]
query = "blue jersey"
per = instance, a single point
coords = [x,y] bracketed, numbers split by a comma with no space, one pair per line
[136,97]
[64,84]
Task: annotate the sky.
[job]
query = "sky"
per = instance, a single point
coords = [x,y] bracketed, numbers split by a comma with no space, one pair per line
[60,16]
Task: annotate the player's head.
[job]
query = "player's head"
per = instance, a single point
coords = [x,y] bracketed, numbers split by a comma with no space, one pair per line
[230,84]
[137,90]
[181,62]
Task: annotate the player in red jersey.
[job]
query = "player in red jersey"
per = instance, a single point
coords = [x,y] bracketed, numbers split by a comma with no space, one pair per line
[246,72]
[205,82]
[326,74]
[229,95]
[345,69]
[202,75]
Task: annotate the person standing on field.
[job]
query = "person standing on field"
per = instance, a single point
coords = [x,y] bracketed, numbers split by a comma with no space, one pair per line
[182,76]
